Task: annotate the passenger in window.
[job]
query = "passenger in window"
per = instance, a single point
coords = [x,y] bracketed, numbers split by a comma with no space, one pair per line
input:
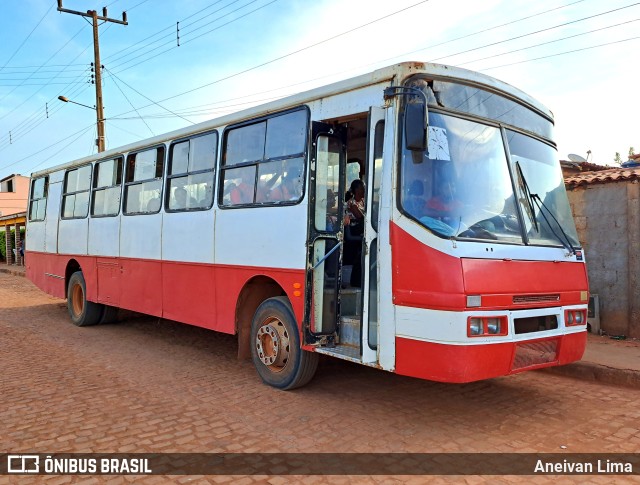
[445,205]
[179,200]
[154,204]
[289,189]
[354,230]
[332,211]
[243,192]
[208,196]
[355,203]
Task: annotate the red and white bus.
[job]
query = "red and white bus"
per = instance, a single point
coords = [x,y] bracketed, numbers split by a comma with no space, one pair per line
[464,266]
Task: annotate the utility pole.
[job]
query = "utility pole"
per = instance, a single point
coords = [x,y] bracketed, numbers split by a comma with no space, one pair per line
[96,54]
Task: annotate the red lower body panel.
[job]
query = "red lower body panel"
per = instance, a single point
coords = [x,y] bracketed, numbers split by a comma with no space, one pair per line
[468,363]
[205,295]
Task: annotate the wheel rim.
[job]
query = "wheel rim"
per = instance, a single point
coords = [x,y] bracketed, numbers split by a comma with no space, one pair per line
[272,344]
[77,300]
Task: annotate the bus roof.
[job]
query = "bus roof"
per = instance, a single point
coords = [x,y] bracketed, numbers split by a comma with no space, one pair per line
[396,72]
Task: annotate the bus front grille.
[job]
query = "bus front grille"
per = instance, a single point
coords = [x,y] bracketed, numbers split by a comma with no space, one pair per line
[525,299]
[535,353]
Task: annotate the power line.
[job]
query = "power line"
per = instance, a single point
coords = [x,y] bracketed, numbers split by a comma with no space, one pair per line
[549,42]
[123,52]
[27,38]
[289,54]
[56,53]
[562,53]
[83,130]
[37,118]
[273,60]
[480,31]
[125,97]
[172,41]
[536,32]
[147,98]
[63,148]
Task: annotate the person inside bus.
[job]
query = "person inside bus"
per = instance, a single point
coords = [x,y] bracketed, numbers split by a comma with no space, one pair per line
[179,200]
[444,204]
[289,189]
[354,230]
[208,196]
[154,204]
[243,192]
[332,211]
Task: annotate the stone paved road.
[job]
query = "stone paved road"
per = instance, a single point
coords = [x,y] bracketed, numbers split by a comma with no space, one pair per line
[144,385]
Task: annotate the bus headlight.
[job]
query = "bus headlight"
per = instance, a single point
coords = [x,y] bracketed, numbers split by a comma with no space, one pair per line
[475,326]
[487,326]
[493,326]
[578,318]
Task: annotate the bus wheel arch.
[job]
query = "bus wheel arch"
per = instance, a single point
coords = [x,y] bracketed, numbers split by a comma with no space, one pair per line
[72,267]
[254,292]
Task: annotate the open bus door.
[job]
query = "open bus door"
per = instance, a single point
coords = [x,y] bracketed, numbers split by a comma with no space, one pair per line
[325,234]
[343,318]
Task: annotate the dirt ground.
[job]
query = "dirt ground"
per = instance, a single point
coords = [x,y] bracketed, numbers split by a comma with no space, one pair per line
[147,385]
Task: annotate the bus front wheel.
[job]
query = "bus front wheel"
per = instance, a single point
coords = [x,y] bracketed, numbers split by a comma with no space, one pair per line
[275,346]
[82,312]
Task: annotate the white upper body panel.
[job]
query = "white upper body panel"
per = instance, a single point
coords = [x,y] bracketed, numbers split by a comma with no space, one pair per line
[188,236]
[271,237]
[104,236]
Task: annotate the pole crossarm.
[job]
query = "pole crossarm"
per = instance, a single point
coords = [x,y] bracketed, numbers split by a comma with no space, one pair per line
[89,13]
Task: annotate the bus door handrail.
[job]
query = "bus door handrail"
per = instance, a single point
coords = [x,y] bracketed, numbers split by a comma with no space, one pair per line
[327,255]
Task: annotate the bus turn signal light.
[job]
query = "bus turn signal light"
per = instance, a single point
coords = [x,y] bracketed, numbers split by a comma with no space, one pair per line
[487,326]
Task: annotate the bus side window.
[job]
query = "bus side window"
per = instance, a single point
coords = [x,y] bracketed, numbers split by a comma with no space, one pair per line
[263,162]
[107,179]
[191,173]
[75,197]
[143,181]
[38,200]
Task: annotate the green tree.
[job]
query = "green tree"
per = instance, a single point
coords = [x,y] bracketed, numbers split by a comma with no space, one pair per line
[617,159]
[631,152]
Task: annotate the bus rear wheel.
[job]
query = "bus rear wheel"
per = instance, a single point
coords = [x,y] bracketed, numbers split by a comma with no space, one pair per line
[275,346]
[82,312]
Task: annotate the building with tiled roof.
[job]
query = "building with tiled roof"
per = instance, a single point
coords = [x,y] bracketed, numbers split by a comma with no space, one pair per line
[602,177]
[606,210]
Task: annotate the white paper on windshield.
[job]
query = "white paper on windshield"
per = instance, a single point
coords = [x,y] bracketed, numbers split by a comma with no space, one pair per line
[438,144]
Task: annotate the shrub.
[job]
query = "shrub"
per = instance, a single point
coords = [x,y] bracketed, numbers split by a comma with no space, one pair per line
[3,246]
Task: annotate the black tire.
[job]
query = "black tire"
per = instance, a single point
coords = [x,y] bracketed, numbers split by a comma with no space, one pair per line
[82,312]
[275,346]
[109,314]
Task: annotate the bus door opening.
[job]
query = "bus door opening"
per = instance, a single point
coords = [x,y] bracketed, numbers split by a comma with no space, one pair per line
[340,196]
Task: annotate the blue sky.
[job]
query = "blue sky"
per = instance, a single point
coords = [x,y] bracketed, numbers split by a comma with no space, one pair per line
[44,54]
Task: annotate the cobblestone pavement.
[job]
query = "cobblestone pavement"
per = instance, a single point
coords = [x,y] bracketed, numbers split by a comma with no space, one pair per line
[144,385]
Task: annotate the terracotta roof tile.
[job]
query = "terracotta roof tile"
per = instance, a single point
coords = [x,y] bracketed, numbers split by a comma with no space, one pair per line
[602,177]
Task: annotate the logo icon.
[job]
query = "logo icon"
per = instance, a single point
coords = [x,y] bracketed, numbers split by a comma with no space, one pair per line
[23,464]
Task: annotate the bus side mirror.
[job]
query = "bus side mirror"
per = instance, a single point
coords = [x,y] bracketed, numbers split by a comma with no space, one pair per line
[415,126]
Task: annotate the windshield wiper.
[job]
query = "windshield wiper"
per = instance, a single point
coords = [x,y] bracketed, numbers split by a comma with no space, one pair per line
[541,205]
[527,192]
[535,199]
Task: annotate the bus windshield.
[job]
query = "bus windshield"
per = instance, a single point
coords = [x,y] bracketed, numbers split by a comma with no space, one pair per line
[541,192]
[461,186]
